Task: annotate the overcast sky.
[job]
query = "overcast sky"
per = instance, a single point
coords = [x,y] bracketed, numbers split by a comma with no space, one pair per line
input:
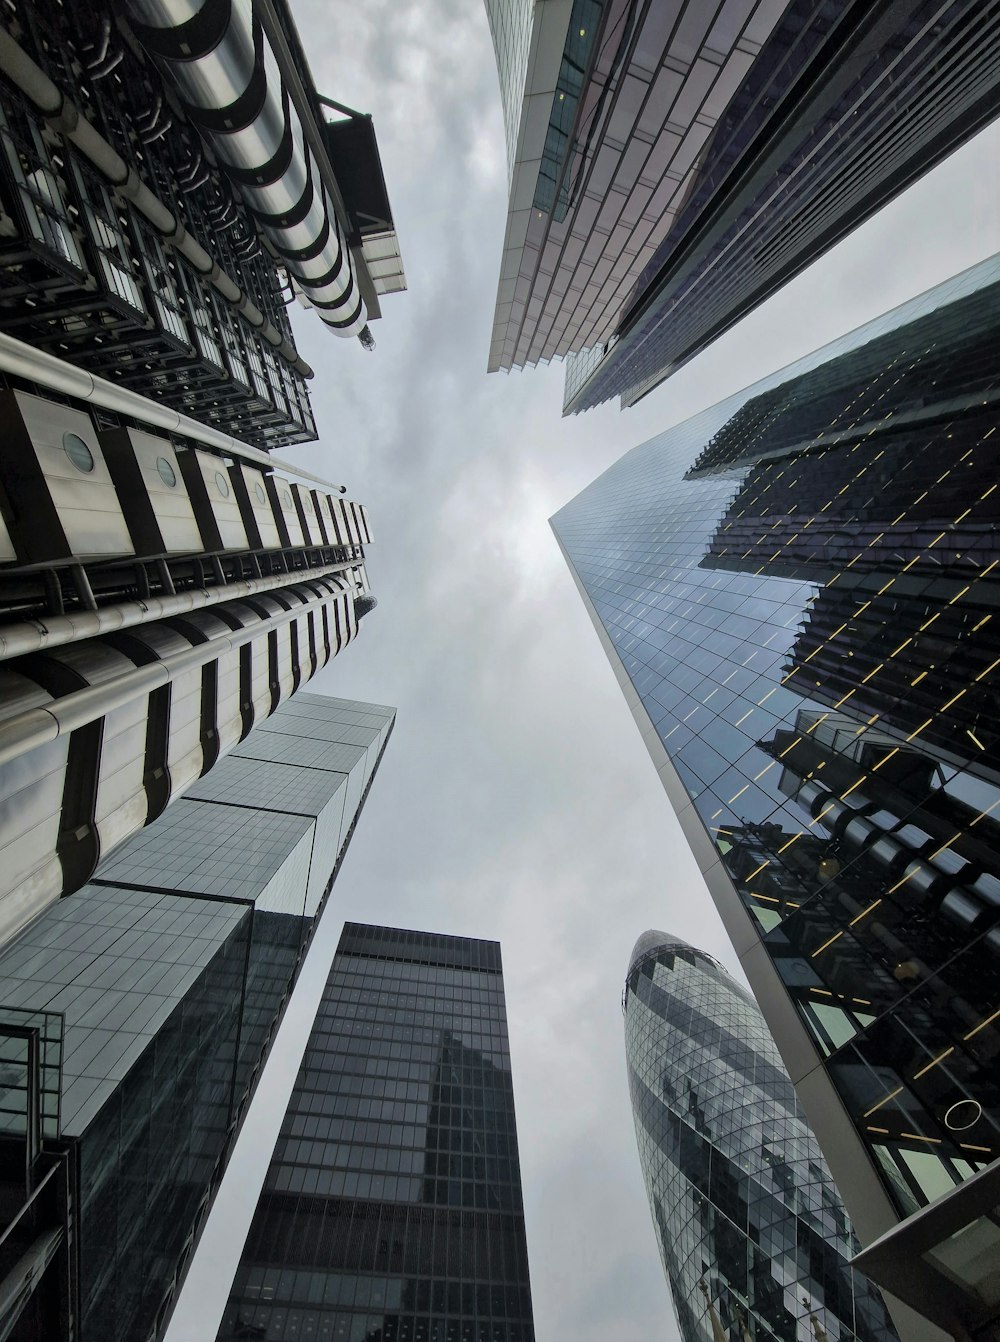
[515,799]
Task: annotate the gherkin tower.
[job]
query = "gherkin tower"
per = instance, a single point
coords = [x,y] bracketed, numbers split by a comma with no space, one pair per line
[752,1234]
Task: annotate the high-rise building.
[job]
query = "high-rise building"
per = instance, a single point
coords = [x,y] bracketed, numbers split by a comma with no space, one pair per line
[163,593]
[168,181]
[752,1232]
[671,165]
[392,1205]
[797,590]
[135,1018]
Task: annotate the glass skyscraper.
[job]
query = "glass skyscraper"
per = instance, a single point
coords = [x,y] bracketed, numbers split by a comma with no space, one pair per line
[135,1017]
[797,590]
[752,1232]
[671,165]
[392,1205]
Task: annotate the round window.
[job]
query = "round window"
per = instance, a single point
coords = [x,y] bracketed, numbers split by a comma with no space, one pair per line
[166,472]
[963,1114]
[78,452]
[258,489]
[286,500]
[222,484]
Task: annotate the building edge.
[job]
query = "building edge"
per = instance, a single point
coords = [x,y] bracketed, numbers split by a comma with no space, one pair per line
[854,1174]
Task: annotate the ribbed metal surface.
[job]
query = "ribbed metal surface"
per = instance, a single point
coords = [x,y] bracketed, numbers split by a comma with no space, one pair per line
[232,90]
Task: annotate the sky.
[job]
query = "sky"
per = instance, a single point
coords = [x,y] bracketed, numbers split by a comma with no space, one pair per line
[515,799]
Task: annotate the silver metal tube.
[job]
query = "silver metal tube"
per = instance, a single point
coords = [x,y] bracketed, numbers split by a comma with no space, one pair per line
[66,117]
[37,365]
[263,147]
[16,640]
[36,727]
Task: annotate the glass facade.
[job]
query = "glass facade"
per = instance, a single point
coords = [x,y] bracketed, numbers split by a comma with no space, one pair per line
[167,976]
[751,1229]
[799,587]
[392,1205]
[604,128]
[842,107]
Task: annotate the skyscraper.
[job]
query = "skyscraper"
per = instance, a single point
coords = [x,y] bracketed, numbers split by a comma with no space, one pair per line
[671,165]
[169,180]
[392,1205]
[796,589]
[162,595]
[751,1230]
[136,1016]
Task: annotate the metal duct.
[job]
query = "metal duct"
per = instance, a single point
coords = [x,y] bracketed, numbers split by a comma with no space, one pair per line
[231,88]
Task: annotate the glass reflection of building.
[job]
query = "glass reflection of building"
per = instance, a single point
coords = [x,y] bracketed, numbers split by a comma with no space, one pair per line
[752,1233]
[136,1015]
[797,589]
[392,1206]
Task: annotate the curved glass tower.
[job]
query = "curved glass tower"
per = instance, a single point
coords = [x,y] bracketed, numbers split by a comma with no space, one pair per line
[752,1233]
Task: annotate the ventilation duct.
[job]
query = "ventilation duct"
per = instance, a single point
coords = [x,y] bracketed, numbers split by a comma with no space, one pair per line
[227,76]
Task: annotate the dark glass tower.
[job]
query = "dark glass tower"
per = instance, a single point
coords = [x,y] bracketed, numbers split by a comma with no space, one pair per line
[136,1015]
[392,1205]
[798,589]
[671,165]
[752,1233]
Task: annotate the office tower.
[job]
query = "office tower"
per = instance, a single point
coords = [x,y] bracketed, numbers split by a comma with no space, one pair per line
[392,1205]
[797,591]
[671,165]
[168,182]
[752,1233]
[136,1016]
[164,591]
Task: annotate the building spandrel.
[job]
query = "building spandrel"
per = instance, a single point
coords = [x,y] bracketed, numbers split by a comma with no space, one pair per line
[150,999]
[797,591]
[392,1205]
[752,1232]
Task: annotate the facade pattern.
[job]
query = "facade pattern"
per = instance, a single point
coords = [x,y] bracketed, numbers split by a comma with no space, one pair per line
[160,985]
[392,1205]
[799,587]
[842,108]
[751,1229]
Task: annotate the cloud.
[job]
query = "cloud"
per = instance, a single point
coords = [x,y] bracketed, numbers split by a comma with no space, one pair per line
[516,799]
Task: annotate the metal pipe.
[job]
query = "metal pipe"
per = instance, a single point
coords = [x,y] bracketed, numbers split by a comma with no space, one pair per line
[36,365]
[17,640]
[36,727]
[65,117]
[234,91]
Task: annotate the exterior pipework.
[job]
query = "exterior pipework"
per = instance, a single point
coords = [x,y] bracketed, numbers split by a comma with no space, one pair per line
[229,81]
[33,636]
[65,117]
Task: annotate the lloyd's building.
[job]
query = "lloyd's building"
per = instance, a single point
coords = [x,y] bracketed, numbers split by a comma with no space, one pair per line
[169,182]
[797,590]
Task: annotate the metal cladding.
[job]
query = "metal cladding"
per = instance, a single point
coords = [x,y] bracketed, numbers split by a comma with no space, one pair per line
[97,737]
[157,601]
[228,79]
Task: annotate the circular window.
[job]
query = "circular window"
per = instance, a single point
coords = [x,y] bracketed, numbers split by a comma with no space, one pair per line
[166,472]
[78,452]
[286,500]
[963,1114]
[222,484]
[258,489]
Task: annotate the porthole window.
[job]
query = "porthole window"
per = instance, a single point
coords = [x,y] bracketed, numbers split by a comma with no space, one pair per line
[258,489]
[286,500]
[222,484]
[166,472]
[78,452]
